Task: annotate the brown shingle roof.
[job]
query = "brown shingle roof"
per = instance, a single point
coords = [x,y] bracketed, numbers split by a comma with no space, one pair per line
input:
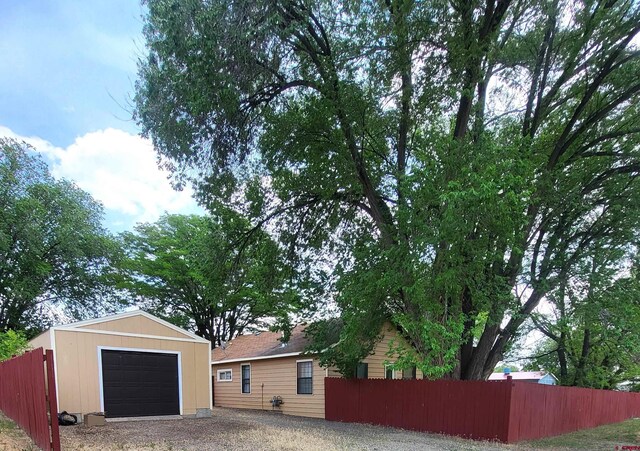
[261,344]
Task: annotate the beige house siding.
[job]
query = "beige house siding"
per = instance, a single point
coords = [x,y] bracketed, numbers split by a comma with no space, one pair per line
[381,354]
[41,341]
[269,378]
[136,325]
[278,377]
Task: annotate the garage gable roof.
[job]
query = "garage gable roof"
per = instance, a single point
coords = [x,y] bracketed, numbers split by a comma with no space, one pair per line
[83,325]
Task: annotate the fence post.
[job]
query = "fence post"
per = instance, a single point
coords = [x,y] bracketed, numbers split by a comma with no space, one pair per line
[53,401]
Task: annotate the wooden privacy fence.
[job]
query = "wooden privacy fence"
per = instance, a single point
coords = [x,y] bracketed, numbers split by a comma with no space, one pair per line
[28,396]
[506,411]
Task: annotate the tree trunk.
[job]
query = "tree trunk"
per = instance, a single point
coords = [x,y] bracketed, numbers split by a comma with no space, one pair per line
[579,380]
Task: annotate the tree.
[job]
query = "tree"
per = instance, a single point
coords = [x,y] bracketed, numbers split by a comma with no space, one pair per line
[12,343]
[188,270]
[592,336]
[451,158]
[54,254]
[501,368]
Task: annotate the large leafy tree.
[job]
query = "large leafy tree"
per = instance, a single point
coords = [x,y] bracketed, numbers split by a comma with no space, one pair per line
[204,274]
[55,256]
[591,326]
[452,158]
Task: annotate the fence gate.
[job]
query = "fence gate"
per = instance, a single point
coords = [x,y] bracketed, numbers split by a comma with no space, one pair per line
[28,396]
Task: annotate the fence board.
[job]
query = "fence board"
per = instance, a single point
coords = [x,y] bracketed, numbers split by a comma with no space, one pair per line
[53,401]
[506,411]
[23,397]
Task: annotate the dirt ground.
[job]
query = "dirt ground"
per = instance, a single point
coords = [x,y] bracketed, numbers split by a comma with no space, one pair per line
[231,429]
[12,437]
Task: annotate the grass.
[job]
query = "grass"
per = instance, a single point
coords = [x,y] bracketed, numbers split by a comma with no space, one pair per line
[601,438]
[6,426]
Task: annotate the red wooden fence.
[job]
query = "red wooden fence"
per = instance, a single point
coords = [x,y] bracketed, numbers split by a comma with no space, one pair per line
[544,410]
[505,411]
[28,396]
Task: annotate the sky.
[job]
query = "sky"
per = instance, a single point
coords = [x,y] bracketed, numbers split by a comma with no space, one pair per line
[66,81]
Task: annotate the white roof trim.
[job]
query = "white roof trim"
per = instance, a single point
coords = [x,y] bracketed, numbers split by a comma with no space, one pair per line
[104,319]
[127,334]
[250,359]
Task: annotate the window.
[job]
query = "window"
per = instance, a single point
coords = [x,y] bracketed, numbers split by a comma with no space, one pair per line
[246,378]
[305,378]
[362,371]
[224,376]
[409,373]
[388,372]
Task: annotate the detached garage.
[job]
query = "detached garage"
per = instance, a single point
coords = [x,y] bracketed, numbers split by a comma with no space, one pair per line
[129,365]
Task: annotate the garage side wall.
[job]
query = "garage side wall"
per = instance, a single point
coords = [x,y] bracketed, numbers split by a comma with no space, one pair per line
[269,378]
[77,368]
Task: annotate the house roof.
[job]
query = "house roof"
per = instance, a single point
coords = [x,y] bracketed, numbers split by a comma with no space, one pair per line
[520,375]
[262,345]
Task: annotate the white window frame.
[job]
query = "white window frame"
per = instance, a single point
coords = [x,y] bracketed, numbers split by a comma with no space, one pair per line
[224,371]
[301,361]
[250,378]
[153,351]
[393,371]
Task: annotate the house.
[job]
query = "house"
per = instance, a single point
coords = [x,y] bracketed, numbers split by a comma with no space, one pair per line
[128,365]
[253,369]
[537,377]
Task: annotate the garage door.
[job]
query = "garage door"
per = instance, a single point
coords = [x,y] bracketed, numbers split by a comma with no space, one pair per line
[139,383]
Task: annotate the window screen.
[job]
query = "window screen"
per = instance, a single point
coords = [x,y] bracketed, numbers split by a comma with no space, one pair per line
[305,378]
[388,372]
[409,373]
[224,375]
[362,371]
[246,378]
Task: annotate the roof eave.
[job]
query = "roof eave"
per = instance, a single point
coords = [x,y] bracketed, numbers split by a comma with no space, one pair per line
[264,357]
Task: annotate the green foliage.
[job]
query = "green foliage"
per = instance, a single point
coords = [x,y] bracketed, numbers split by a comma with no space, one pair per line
[430,159]
[513,368]
[592,336]
[212,274]
[55,254]
[12,344]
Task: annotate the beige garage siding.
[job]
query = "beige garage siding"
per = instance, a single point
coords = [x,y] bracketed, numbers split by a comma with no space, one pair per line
[136,324]
[269,378]
[77,368]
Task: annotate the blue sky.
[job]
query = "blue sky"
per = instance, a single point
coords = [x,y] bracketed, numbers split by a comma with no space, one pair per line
[66,82]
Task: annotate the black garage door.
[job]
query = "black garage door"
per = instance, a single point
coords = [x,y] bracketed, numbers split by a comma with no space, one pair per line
[139,383]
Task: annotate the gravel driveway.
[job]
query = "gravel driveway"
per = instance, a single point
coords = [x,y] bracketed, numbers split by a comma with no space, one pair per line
[231,429]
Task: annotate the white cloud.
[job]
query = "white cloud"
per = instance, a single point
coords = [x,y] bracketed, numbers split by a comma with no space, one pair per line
[119,170]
